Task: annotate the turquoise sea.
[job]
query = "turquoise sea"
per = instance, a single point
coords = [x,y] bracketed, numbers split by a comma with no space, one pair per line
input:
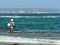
[31,29]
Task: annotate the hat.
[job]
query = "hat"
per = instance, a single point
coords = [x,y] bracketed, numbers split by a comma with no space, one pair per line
[12,20]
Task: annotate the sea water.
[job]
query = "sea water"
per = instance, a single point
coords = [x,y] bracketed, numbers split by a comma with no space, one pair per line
[30,29]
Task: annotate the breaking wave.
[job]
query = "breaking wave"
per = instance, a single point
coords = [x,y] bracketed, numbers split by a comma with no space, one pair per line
[12,39]
[29,16]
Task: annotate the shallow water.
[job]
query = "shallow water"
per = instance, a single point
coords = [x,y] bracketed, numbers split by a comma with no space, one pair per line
[31,29]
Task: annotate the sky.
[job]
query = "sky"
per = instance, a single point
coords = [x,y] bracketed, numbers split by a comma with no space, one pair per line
[55,4]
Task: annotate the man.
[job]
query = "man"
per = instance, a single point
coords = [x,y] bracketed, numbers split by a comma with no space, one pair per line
[11,26]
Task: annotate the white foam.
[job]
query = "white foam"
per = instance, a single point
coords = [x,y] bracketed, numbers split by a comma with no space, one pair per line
[29,12]
[28,40]
[29,16]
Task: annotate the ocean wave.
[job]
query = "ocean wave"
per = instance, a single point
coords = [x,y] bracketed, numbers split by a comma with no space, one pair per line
[29,12]
[29,16]
[12,39]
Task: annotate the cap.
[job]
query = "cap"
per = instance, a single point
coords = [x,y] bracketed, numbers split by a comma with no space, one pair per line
[12,20]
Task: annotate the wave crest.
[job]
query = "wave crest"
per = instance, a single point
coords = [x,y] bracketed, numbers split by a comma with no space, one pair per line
[30,16]
[28,40]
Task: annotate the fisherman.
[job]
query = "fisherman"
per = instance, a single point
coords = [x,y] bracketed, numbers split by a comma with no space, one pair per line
[11,26]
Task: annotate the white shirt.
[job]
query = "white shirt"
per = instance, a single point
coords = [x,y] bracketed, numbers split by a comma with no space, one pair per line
[10,22]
